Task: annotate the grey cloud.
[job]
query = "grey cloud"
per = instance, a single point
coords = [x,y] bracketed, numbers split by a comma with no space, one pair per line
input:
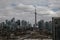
[26,12]
[24,9]
[58,13]
[54,4]
[29,2]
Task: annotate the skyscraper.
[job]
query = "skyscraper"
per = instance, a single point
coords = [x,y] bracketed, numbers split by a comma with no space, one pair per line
[56,28]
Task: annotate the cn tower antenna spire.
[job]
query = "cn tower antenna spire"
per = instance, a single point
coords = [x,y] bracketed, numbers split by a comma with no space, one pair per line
[35,17]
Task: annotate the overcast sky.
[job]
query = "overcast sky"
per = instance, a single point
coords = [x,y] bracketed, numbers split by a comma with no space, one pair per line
[24,9]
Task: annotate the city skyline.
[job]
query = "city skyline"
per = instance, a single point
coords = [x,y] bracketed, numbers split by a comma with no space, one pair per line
[24,9]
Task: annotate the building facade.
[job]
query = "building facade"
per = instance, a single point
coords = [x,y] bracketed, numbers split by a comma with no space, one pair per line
[56,28]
